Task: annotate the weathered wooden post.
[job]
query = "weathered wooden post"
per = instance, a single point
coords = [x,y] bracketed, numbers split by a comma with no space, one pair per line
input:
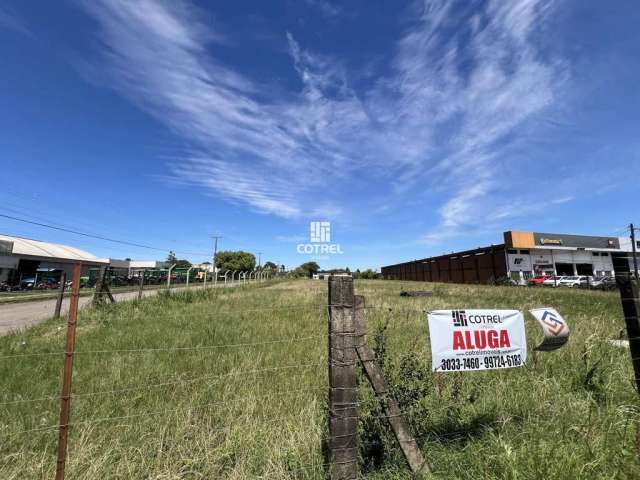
[141,285]
[63,281]
[97,288]
[65,399]
[376,377]
[102,288]
[343,412]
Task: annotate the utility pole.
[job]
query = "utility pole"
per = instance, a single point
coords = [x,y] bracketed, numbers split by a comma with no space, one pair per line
[633,249]
[259,258]
[215,254]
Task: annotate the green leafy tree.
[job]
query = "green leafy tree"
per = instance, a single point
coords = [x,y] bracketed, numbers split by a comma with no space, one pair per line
[229,260]
[306,269]
[269,266]
[171,258]
[367,274]
[182,263]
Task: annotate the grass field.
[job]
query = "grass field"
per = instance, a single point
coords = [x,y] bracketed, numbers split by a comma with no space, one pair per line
[250,401]
[36,295]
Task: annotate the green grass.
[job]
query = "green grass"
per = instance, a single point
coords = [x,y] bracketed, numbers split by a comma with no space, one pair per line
[221,414]
[37,295]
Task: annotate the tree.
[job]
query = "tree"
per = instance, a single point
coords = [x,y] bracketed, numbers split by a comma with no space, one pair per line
[269,266]
[171,258]
[229,260]
[306,269]
[367,274]
[182,263]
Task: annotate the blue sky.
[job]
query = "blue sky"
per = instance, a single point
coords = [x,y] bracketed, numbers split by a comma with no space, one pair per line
[415,128]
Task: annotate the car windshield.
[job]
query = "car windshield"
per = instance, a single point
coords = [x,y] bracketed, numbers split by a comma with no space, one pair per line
[570,278]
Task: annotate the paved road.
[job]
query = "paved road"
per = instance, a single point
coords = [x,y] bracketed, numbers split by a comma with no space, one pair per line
[16,316]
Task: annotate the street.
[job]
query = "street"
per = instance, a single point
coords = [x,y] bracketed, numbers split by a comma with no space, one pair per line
[16,316]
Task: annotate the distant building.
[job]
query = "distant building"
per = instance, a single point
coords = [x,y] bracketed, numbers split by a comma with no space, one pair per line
[23,257]
[324,275]
[522,256]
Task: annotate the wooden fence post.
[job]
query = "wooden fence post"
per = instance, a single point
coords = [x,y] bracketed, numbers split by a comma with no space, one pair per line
[97,288]
[376,377]
[63,281]
[65,399]
[102,288]
[141,285]
[343,412]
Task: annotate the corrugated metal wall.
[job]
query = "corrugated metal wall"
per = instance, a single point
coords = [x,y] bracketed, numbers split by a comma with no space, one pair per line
[473,266]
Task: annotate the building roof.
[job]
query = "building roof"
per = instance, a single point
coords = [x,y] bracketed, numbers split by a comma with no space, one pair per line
[36,248]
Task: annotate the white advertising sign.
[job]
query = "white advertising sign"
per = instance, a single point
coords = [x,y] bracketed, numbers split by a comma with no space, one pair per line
[478,339]
[555,328]
[519,262]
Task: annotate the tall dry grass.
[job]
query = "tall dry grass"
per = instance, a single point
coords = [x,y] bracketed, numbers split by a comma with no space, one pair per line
[255,408]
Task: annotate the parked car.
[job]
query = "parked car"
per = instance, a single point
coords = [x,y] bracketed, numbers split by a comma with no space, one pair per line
[538,279]
[27,283]
[552,281]
[5,287]
[573,281]
[48,284]
[604,283]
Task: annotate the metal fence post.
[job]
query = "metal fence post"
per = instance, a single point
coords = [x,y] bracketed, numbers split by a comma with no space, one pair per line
[63,281]
[630,299]
[343,412]
[169,276]
[65,399]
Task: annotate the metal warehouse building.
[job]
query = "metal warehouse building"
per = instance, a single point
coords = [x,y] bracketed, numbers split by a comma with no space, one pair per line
[21,257]
[522,256]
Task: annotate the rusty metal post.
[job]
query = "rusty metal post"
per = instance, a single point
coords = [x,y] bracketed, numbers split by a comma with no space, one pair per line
[630,299]
[65,399]
[63,280]
[343,412]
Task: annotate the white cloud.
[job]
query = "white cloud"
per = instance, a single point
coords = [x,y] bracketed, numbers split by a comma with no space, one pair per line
[436,120]
[12,21]
[325,7]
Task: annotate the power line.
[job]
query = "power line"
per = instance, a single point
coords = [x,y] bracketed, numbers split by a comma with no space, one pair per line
[98,237]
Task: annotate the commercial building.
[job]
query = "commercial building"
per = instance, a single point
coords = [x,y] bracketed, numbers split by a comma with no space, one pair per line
[522,256]
[23,257]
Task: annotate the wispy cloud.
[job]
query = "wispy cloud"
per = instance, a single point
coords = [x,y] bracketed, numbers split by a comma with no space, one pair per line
[462,80]
[12,21]
[325,7]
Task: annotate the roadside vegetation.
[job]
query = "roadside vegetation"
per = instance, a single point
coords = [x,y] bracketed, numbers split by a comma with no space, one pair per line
[169,405]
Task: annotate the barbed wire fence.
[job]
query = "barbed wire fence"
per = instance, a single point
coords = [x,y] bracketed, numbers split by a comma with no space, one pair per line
[346,344]
[70,352]
[347,347]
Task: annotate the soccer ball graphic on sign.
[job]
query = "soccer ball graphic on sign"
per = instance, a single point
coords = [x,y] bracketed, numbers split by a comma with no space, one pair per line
[320,232]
